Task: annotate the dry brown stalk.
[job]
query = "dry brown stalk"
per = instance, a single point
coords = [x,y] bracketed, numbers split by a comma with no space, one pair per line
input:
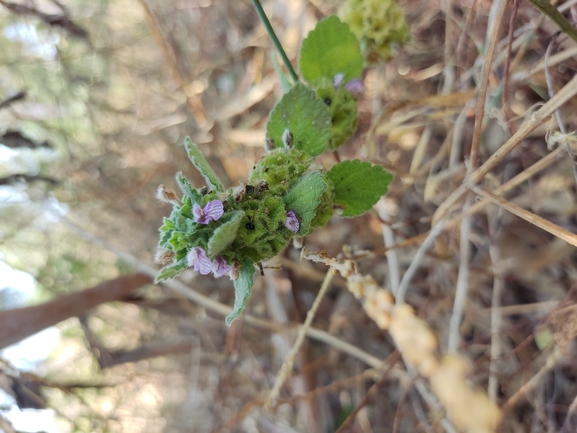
[536,220]
[288,363]
[419,347]
[537,119]
[536,307]
[530,385]
[526,174]
[369,374]
[560,123]
[480,112]
[224,310]
[462,287]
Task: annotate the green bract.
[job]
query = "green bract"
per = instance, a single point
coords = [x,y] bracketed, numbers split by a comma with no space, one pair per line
[379,25]
[342,108]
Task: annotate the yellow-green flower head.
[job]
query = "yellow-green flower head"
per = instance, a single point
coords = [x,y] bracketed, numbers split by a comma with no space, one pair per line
[379,25]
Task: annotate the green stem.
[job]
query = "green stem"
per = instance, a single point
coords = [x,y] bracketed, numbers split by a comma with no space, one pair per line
[274,39]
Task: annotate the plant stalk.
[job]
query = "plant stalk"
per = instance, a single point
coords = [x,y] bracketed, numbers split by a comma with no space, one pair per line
[274,39]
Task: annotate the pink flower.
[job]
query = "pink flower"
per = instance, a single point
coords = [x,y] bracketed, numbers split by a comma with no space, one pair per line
[211,212]
[197,259]
[219,267]
[354,86]
[292,222]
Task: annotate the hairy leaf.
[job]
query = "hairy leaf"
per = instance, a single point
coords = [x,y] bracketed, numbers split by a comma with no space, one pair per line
[225,234]
[305,116]
[201,164]
[171,271]
[187,188]
[358,185]
[330,49]
[242,288]
[304,197]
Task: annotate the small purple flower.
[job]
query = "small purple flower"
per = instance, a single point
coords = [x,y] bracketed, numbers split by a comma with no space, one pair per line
[219,267]
[338,80]
[292,222]
[354,86]
[211,212]
[197,259]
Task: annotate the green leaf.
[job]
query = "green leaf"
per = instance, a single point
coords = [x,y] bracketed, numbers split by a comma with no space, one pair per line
[186,209]
[358,185]
[331,49]
[167,225]
[201,164]
[304,197]
[178,240]
[303,114]
[242,287]
[187,188]
[171,271]
[225,234]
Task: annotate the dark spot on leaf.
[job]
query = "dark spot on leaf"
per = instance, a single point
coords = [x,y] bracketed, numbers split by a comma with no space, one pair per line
[328,101]
[250,226]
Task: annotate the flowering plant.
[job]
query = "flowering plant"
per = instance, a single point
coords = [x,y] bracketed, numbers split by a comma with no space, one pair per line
[228,232]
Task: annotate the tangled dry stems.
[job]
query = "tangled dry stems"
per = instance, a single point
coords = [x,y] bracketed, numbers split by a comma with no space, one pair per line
[419,347]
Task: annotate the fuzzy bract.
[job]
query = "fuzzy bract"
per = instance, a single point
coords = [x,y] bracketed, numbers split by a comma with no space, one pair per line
[342,107]
[379,25]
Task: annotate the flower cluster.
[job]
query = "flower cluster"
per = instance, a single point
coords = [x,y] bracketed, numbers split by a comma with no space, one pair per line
[197,257]
[198,260]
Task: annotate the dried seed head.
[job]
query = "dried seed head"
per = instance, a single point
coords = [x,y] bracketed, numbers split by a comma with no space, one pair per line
[166,195]
[269,144]
[234,272]
[163,257]
[558,139]
[287,139]
[261,187]
[239,192]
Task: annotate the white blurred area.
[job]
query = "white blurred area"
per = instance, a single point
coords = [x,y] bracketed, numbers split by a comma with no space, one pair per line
[16,287]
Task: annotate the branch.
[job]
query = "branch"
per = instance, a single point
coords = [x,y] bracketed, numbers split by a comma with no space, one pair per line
[52,20]
[20,323]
